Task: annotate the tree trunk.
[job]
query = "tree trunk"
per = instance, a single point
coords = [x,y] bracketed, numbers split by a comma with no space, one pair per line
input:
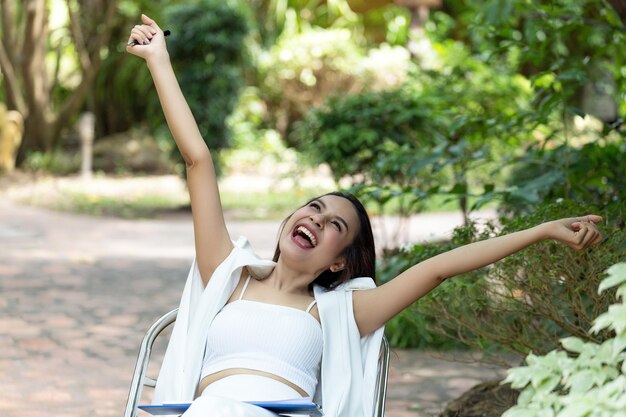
[27,86]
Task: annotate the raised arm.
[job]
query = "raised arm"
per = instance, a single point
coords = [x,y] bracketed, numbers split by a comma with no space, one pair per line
[212,241]
[373,308]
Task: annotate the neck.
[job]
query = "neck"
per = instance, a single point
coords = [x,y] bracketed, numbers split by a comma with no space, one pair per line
[290,280]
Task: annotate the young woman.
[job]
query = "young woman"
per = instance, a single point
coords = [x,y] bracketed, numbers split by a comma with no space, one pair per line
[307,324]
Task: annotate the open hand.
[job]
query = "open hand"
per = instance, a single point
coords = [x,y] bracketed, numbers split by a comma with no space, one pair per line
[149,38]
[576,232]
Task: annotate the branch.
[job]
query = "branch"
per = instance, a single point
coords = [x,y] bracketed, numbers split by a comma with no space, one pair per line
[7,60]
[33,55]
[8,29]
[14,94]
[79,38]
[75,100]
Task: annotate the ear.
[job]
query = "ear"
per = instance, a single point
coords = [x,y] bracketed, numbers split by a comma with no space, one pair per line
[338,265]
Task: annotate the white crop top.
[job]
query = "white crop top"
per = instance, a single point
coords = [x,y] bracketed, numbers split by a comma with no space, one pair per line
[280,340]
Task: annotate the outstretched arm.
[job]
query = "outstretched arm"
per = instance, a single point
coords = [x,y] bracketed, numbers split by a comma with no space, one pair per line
[212,241]
[373,308]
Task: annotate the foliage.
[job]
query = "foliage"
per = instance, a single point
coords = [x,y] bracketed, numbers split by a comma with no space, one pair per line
[373,21]
[524,302]
[208,55]
[423,138]
[593,172]
[410,328]
[562,45]
[304,69]
[124,96]
[134,151]
[588,378]
[301,70]
[570,52]
[504,94]
[56,163]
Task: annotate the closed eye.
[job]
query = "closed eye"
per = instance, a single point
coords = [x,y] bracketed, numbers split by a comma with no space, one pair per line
[337,225]
[316,206]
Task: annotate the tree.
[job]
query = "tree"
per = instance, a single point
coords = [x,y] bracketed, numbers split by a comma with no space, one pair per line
[208,56]
[33,59]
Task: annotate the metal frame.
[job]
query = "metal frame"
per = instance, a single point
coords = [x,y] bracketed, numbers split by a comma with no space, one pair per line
[140,379]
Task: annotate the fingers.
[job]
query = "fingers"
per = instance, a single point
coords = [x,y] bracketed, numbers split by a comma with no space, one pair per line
[579,237]
[590,218]
[141,35]
[586,236]
[147,21]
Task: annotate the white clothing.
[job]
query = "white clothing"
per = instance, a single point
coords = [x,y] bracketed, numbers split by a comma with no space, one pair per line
[224,397]
[280,340]
[349,362]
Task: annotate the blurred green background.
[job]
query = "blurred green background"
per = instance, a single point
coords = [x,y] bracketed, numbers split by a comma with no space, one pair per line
[414,104]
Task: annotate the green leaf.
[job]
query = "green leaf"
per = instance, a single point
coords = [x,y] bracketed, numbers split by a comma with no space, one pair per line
[573,344]
[580,381]
[601,322]
[519,412]
[519,377]
[616,276]
[576,111]
[458,189]
[579,408]
[619,344]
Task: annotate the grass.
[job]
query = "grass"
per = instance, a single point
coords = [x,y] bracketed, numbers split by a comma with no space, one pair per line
[265,205]
[147,197]
[130,197]
[128,207]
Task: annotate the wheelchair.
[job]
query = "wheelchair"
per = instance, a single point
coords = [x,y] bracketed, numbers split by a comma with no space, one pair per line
[141,379]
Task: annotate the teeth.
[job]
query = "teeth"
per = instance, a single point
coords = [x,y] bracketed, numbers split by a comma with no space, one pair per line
[308,234]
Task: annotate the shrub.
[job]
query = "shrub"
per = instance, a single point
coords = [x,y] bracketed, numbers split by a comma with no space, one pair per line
[593,172]
[588,379]
[437,133]
[208,56]
[301,71]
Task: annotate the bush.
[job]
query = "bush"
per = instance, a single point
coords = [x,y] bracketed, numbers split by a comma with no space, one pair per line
[208,56]
[588,379]
[301,71]
[593,172]
[135,151]
[412,328]
[59,162]
[438,133]
[526,302]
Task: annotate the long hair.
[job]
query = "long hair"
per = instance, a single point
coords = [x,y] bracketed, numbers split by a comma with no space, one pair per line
[360,255]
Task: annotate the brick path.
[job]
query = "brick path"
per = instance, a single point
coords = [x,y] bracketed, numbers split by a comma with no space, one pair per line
[77,293]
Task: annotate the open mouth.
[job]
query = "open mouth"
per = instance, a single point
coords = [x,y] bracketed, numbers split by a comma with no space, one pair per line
[304,237]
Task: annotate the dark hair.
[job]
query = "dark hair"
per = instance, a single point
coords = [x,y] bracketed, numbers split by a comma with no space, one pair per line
[360,255]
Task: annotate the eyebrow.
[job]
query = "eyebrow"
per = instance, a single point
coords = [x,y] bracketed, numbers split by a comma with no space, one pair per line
[345,224]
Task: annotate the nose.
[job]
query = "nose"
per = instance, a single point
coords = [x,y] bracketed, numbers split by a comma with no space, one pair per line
[318,219]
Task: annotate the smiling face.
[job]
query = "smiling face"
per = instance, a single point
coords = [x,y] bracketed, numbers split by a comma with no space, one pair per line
[315,237]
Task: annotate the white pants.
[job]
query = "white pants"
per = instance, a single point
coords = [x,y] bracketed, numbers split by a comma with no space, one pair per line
[224,398]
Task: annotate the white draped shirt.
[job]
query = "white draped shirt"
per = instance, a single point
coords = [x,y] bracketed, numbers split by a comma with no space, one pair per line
[349,362]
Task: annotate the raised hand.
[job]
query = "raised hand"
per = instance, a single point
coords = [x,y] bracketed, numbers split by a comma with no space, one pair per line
[149,39]
[576,232]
